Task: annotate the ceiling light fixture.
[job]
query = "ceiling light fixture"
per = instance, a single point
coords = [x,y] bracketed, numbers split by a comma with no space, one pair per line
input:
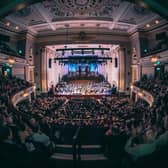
[8,24]
[154,58]
[147,25]
[156,21]
[17,28]
[11,60]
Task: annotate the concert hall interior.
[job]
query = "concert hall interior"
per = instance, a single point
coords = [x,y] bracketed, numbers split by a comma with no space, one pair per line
[84,83]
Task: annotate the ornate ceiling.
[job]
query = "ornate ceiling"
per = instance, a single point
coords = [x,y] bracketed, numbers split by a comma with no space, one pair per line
[113,15]
[81,8]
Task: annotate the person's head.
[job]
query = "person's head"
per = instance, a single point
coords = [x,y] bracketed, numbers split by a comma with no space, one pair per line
[10,120]
[32,122]
[22,127]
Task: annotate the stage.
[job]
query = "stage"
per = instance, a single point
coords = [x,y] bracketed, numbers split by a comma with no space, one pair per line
[86,96]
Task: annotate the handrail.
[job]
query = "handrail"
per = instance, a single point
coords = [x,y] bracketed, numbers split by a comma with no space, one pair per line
[76,146]
[21,95]
[154,52]
[145,95]
[76,135]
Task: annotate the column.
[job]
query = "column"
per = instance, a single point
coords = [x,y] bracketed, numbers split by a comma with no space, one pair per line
[135,76]
[121,52]
[31,73]
[44,70]
[137,44]
[29,55]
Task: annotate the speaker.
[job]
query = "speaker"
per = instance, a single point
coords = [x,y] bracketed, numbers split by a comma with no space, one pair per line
[49,62]
[116,62]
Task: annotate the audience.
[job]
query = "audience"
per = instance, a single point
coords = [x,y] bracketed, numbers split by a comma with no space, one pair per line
[151,136]
[17,138]
[38,124]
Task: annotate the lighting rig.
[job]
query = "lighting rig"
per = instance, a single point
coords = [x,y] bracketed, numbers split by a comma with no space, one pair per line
[82,55]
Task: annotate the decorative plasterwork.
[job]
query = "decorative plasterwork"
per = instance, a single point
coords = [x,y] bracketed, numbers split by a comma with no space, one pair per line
[52,14]
[82,8]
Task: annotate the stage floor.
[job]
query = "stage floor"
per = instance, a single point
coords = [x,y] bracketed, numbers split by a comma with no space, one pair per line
[85,96]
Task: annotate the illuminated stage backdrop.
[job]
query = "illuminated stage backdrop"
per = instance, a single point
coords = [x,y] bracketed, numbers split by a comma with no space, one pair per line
[110,70]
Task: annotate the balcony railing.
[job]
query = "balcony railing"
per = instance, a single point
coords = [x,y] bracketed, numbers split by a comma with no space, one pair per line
[143,94]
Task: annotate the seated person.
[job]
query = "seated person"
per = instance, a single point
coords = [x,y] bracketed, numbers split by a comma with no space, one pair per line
[11,154]
[136,147]
[40,137]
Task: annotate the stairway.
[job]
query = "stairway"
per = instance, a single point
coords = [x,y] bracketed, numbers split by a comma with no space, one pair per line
[91,157]
[85,149]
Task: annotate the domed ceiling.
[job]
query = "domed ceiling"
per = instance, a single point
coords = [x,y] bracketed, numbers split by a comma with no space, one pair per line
[112,15]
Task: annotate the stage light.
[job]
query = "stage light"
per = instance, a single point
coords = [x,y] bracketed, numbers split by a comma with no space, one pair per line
[63,52]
